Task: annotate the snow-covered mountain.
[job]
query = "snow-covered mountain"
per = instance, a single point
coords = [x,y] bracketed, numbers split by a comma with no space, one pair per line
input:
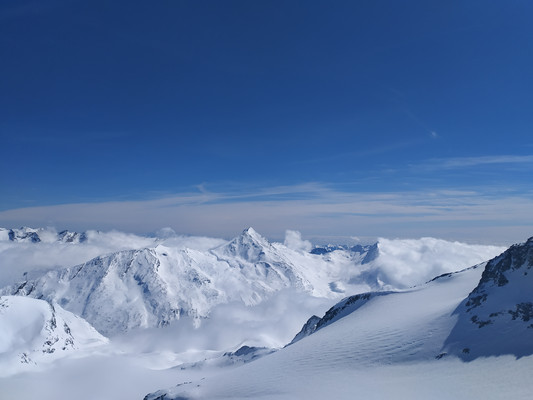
[35,332]
[366,253]
[394,343]
[152,287]
[37,235]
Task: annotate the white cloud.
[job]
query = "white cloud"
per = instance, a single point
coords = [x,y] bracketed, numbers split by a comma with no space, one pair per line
[408,262]
[271,323]
[461,162]
[293,240]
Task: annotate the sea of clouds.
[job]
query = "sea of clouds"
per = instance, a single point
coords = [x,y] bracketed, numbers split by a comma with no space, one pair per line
[401,263]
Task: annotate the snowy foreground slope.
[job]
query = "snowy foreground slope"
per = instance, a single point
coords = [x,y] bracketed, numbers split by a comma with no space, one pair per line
[35,332]
[395,344]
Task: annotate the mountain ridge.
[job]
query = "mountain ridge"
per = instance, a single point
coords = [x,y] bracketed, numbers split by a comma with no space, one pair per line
[46,333]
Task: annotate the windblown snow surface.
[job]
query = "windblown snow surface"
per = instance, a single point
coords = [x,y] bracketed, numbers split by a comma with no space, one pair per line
[211,312]
[392,345]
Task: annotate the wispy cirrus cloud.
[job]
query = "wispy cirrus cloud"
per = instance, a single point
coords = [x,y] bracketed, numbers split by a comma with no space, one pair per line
[461,162]
[314,209]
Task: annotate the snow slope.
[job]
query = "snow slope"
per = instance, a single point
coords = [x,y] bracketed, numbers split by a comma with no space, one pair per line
[34,332]
[390,344]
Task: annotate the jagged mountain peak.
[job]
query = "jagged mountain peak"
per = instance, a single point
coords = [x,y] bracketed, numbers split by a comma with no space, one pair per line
[250,235]
[366,253]
[26,234]
[71,237]
[249,246]
[518,256]
[22,234]
[250,231]
[152,287]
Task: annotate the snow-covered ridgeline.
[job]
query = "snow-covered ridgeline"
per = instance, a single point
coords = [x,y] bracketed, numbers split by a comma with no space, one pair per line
[497,316]
[37,235]
[154,286]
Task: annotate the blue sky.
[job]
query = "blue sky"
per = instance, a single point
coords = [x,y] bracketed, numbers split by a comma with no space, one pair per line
[225,114]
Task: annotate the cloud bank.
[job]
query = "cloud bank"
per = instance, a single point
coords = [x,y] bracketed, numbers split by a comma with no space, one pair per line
[405,263]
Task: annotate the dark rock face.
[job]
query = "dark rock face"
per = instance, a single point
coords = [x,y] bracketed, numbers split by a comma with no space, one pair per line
[32,235]
[71,237]
[370,252]
[308,328]
[523,311]
[496,318]
[518,256]
[338,311]
[246,354]
[330,248]
[21,235]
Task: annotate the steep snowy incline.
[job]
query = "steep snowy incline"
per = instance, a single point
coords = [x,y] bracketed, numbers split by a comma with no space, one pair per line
[497,317]
[35,332]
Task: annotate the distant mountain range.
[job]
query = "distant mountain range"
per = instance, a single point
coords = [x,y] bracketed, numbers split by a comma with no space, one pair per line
[32,235]
[155,286]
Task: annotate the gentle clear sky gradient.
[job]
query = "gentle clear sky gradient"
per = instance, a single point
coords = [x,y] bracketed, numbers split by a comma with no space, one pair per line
[365,118]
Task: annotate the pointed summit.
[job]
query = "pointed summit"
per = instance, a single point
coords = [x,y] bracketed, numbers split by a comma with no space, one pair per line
[252,234]
[249,246]
[250,231]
